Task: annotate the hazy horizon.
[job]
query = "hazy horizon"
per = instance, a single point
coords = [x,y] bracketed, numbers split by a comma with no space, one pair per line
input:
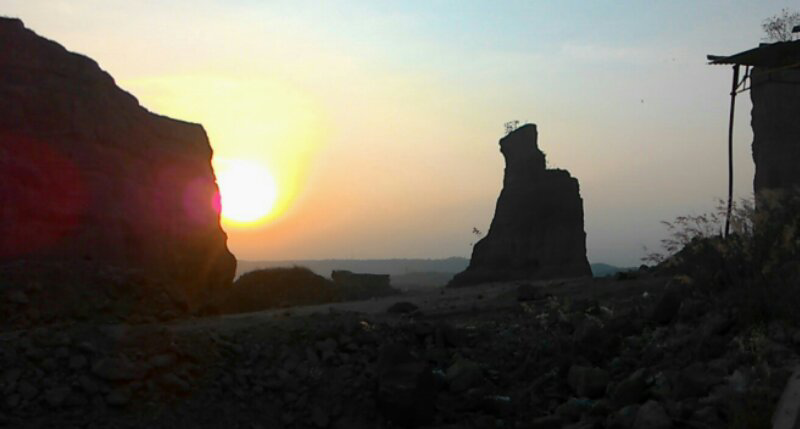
[379,122]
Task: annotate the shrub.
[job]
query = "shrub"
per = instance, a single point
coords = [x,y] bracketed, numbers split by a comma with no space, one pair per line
[759,260]
[685,230]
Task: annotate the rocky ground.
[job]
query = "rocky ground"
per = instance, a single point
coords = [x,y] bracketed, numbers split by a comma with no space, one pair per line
[640,353]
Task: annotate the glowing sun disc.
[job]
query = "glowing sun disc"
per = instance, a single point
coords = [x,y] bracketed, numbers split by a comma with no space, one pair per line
[247,191]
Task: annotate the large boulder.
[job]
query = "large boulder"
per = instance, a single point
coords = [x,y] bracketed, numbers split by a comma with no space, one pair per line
[356,286]
[88,175]
[537,231]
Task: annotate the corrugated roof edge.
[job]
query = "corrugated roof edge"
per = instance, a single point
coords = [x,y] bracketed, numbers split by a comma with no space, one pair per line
[778,54]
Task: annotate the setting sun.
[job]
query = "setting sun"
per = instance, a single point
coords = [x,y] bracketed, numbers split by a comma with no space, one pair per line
[265,132]
[247,191]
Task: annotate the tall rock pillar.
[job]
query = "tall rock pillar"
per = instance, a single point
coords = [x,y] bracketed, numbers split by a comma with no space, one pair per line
[537,231]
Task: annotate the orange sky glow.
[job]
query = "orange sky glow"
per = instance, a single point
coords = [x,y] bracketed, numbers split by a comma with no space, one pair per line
[359,129]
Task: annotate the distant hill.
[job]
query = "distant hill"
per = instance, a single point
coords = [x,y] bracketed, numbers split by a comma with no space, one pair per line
[603,270]
[406,273]
[420,280]
[392,267]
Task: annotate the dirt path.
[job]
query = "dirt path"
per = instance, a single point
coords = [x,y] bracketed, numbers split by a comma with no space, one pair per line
[437,303]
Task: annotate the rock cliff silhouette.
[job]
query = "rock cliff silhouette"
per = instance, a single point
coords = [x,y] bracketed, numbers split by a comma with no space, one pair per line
[89,175]
[537,230]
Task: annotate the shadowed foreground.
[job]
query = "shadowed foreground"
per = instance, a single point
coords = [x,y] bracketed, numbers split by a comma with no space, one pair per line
[606,353]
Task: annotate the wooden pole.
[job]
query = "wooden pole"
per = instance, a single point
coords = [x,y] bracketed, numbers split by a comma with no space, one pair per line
[730,150]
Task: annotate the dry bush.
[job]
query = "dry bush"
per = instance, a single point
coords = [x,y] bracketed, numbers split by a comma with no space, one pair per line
[778,28]
[759,262]
[684,230]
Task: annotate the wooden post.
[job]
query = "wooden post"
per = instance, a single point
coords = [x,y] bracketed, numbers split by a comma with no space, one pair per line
[734,86]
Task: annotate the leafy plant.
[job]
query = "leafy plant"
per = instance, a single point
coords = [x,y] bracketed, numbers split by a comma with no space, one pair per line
[779,28]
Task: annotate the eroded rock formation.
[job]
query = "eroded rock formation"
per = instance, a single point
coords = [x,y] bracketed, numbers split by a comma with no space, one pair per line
[537,230]
[89,175]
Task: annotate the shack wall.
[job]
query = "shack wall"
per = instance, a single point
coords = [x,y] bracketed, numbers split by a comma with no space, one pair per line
[776,129]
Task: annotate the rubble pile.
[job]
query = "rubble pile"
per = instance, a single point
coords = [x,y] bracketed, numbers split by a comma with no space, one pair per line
[668,360]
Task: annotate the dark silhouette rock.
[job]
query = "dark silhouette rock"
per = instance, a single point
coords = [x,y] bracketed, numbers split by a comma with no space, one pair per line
[652,415]
[464,374]
[632,389]
[537,230]
[279,287]
[776,130]
[349,278]
[588,382]
[90,175]
[669,304]
[118,369]
[355,286]
[528,292]
[402,307]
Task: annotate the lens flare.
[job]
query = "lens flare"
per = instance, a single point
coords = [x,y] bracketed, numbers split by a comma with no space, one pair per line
[247,191]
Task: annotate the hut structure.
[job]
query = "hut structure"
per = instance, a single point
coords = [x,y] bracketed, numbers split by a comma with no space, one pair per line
[772,75]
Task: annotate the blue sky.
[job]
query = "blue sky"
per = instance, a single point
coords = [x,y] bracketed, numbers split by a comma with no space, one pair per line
[379,120]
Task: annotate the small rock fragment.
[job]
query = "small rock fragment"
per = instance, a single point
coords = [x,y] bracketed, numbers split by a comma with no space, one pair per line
[652,415]
[118,369]
[668,305]
[588,382]
[630,390]
[402,307]
[118,397]
[319,417]
[624,418]
[464,374]
[174,383]
[55,397]
[573,409]
[27,390]
[17,297]
[77,362]
[527,292]
[547,422]
[406,387]
[162,361]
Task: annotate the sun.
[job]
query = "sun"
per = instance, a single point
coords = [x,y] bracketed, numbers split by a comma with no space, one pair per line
[247,191]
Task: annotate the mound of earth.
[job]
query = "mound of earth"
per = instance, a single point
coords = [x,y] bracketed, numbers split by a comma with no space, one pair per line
[285,287]
[356,286]
[278,288]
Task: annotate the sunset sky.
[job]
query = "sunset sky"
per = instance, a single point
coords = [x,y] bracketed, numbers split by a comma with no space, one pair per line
[371,127]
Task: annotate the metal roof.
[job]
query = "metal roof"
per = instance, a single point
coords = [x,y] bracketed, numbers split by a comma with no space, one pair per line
[779,54]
